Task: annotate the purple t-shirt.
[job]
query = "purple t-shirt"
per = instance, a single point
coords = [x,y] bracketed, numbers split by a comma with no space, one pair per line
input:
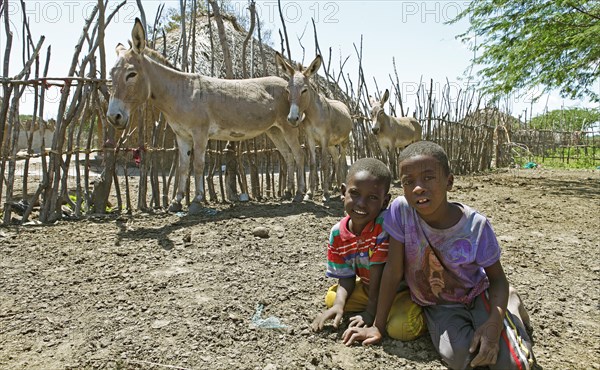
[454,272]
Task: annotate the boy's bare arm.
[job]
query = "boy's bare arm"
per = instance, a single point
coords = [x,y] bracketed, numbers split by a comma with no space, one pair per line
[393,273]
[375,273]
[367,317]
[487,336]
[345,288]
[390,280]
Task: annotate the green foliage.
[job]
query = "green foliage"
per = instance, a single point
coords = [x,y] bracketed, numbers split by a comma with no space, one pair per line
[570,119]
[577,158]
[84,205]
[520,155]
[563,157]
[171,18]
[525,44]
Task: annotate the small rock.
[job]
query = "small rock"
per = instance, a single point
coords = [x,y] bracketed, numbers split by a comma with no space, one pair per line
[157,324]
[261,232]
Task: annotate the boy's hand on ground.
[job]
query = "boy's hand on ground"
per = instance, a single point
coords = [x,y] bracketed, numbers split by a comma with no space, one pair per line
[362,319]
[370,335]
[487,338]
[336,312]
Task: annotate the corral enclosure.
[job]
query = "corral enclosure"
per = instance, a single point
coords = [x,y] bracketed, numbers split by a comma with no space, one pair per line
[129,285]
[477,137]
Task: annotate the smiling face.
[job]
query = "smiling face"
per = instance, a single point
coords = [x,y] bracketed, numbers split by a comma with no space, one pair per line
[425,184]
[365,196]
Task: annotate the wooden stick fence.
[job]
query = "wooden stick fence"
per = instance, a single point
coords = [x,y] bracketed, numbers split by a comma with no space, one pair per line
[85,166]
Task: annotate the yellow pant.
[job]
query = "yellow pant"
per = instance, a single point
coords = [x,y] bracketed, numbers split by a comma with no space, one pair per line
[405,321]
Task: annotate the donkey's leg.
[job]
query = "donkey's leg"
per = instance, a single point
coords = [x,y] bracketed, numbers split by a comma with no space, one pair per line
[326,169]
[276,137]
[292,138]
[313,178]
[335,177]
[185,148]
[343,165]
[385,155]
[200,144]
[392,154]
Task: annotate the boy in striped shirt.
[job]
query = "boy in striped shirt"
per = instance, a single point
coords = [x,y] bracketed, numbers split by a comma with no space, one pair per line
[356,253]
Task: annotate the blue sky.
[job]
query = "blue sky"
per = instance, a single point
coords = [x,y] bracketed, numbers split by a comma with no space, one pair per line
[412,32]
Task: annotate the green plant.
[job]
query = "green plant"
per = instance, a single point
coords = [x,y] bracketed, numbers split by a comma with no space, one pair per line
[84,204]
[567,119]
[520,154]
[571,157]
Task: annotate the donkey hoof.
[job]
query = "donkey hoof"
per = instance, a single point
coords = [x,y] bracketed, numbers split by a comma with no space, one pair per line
[326,198]
[286,195]
[307,197]
[175,207]
[298,198]
[195,208]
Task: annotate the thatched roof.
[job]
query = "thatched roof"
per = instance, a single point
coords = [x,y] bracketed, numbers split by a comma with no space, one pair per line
[491,116]
[203,52]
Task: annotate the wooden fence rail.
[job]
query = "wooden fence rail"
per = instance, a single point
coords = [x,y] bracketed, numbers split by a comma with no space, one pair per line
[79,164]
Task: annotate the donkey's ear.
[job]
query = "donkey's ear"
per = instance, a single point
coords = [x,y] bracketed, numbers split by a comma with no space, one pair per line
[314,66]
[283,63]
[385,97]
[119,48]
[138,35]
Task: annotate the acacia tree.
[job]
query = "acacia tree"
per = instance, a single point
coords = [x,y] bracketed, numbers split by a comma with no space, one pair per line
[569,119]
[521,45]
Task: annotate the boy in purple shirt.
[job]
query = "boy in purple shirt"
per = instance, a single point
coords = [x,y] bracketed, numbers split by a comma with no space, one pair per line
[450,257]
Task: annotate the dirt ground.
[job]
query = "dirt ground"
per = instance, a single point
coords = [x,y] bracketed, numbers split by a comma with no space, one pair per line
[164,291]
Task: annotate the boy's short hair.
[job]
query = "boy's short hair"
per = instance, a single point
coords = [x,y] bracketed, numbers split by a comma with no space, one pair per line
[373,166]
[426,148]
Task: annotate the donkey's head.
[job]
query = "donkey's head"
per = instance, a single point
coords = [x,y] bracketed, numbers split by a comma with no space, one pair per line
[130,85]
[377,112]
[298,89]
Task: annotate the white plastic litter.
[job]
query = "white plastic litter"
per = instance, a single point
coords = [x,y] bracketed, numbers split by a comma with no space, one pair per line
[270,322]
